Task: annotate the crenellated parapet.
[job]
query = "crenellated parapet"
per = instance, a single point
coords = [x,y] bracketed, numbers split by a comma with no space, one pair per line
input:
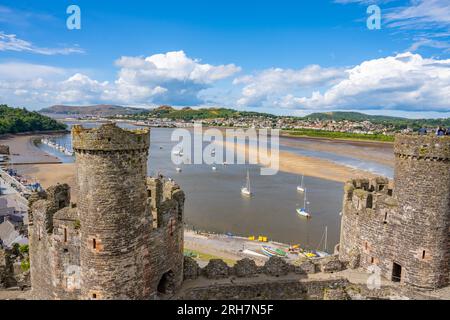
[109,137]
[422,147]
[403,228]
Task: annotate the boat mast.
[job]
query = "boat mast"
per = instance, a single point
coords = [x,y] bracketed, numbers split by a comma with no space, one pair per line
[304,202]
[326,239]
[248,181]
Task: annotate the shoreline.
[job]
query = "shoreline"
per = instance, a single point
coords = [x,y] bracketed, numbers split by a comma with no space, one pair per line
[304,165]
[283,133]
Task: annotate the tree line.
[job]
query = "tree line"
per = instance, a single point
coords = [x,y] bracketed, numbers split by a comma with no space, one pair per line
[17,120]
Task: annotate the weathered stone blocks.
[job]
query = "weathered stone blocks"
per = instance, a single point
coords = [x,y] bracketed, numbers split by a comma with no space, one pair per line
[276,267]
[245,268]
[216,269]
[191,270]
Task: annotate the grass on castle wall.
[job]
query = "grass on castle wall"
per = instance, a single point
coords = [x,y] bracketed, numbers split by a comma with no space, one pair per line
[197,255]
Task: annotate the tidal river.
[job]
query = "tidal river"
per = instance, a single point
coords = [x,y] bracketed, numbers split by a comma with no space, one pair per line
[214,202]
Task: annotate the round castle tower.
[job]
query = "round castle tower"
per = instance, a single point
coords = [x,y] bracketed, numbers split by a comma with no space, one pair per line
[422,188]
[113,210]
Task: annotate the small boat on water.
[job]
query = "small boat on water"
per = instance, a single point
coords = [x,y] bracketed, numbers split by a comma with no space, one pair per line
[301,186]
[214,168]
[304,212]
[324,252]
[245,190]
[269,251]
[253,253]
[178,152]
[178,169]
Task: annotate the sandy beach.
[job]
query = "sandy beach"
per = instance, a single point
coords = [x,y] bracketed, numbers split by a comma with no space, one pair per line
[380,152]
[302,165]
[23,150]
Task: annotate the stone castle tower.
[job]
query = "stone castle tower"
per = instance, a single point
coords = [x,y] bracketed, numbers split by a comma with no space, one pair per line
[124,239]
[403,230]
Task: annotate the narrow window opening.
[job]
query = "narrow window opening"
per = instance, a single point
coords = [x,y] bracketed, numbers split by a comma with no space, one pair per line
[94,243]
[149,193]
[385,217]
[65,234]
[423,254]
[369,201]
[396,272]
[372,260]
[94,296]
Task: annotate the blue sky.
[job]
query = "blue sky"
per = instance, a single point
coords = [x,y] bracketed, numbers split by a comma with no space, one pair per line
[283,57]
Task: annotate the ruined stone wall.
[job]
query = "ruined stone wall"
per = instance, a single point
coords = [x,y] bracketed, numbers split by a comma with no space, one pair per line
[409,228]
[164,263]
[277,279]
[44,252]
[111,171]
[422,187]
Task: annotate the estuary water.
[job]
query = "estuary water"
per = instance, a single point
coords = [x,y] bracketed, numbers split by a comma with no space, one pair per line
[214,202]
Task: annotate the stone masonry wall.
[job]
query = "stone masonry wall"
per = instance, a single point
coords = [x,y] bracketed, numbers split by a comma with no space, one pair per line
[409,228]
[124,240]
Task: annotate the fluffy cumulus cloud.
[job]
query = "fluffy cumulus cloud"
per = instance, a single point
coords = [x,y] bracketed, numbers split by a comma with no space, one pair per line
[263,88]
[406,82]
[170,78]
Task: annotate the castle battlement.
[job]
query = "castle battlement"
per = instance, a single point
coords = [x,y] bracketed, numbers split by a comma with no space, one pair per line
[109,137]
[430,147]
[124,239]
[403,228]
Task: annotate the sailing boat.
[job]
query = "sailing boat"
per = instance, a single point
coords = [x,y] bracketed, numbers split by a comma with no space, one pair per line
[246,189]
[324,252]
[301,187]
[304,211]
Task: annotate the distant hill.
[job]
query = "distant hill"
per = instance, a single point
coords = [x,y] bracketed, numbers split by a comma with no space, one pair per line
[99,110]
[396,122]
[16,120]
[351,116]
[203,113]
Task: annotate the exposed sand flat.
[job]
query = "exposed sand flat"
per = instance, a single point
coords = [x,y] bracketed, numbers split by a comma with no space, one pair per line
[380,152]
[313,167]
[51,174]
[23,150]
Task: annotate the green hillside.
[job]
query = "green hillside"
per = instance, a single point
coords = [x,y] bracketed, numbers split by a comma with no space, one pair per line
[203,113]
[16,120]
[396,122]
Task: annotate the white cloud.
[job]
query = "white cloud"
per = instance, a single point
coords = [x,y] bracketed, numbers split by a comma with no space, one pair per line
[170,78]
[10,42]
[265,86]
[403,82]
[167,78]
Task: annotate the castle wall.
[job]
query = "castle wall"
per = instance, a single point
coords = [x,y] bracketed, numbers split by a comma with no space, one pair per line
[164,269]
[46,268]
[409,228]
[111,172]
[422,187]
